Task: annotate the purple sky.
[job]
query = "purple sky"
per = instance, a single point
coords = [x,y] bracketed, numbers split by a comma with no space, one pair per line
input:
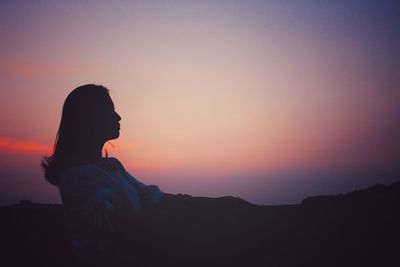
[271,102]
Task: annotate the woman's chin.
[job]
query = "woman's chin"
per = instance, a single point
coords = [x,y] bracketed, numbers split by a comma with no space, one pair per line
[115,135]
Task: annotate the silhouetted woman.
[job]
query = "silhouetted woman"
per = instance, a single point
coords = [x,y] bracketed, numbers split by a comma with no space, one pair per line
[96,190]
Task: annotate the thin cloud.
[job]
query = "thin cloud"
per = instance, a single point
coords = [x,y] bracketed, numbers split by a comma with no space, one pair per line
[15,145]
[25,146]
[35,69]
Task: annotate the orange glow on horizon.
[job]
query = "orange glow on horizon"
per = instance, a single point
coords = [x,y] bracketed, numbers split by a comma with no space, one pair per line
[26,146]
[13,145]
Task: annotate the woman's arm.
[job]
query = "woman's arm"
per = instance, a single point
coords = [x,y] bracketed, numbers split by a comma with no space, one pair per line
[150,195]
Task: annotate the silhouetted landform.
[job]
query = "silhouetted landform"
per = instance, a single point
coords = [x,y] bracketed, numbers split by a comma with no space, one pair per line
[355,229]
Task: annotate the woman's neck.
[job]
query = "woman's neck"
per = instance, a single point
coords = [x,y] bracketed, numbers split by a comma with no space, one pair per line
[92,153]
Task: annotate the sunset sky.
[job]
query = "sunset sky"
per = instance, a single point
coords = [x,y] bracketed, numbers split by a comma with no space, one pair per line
[270,101]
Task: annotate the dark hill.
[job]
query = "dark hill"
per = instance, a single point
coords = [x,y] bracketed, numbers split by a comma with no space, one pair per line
[355,229]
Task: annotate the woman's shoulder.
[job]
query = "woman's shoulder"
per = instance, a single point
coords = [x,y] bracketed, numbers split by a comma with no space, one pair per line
[77,167]
[116,162]
[79,174]
[88,170]
[83,165]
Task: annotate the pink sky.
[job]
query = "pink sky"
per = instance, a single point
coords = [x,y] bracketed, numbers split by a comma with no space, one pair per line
[268,102]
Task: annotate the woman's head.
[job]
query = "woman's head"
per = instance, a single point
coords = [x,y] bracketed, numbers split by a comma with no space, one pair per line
[88,112]
[88,120]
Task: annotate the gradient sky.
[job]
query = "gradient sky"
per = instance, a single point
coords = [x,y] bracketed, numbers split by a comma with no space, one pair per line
[271,101]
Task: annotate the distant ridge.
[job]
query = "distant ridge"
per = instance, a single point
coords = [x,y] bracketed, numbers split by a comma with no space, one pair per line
[378,192]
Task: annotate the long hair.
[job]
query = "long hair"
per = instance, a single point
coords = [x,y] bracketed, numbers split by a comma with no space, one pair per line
[74,139]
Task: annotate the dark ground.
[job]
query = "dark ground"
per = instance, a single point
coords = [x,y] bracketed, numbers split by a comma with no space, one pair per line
[356,229]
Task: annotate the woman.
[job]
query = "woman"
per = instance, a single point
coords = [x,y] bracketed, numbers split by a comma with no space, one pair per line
[97,192]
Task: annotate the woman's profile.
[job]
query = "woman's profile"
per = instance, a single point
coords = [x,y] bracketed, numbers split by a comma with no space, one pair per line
[95,190]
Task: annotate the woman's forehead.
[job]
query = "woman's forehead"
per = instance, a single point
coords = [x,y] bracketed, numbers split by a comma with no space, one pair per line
[109,102]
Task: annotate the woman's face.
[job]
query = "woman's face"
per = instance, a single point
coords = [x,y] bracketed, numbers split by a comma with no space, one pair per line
[109,120]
